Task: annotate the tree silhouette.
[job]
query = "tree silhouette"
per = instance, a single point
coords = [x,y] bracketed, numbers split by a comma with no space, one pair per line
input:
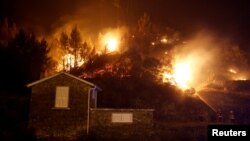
[64,40]
[28,56]
[144,24]
[8,30]
[75,42]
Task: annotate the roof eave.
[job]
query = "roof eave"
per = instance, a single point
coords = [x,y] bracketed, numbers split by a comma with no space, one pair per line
[47,78]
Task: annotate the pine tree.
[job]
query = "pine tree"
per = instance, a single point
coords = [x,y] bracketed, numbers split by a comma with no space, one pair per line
[75,42]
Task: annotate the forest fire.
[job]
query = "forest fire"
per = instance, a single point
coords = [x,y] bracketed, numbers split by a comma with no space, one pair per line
[181,75]
[236,75]
[69,60]
[189,65]
[199,63]
[162,70]
[66,46]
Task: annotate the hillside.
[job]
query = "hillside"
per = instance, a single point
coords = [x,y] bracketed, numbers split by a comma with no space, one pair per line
[226,101]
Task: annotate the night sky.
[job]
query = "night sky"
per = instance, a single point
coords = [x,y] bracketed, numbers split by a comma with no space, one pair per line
[225,17]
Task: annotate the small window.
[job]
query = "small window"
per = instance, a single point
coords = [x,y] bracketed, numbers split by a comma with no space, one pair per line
[62,97]
[122,117]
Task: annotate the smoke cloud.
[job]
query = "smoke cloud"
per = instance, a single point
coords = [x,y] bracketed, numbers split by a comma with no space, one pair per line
[211,58]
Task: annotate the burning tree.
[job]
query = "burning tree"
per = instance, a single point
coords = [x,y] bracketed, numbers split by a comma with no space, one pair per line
[74,52]
[147,49]
[64,40]
[75,43]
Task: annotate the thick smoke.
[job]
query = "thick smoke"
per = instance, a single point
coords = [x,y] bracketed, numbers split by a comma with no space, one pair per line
[212,59]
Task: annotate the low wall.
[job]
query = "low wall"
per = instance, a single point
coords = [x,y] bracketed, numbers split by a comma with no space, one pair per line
[137,124]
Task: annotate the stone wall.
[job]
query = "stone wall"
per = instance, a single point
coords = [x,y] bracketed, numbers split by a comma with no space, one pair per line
[102,127]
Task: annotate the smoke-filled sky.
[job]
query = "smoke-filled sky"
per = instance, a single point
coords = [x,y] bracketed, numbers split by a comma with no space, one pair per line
[226,17]
[210,58]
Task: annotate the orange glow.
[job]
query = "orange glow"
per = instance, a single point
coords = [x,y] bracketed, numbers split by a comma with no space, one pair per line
[241,78]
[111,40]
[181,75]
[168,77]
[68,62]
[164,40]
[236,75]
[232,71]
[112,44]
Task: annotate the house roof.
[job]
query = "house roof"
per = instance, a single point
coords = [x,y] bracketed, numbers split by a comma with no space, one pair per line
[72,76]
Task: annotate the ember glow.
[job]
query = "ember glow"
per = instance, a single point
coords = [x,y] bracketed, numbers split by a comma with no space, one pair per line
[232,71]
[241,78]
[164,40]
[236,74]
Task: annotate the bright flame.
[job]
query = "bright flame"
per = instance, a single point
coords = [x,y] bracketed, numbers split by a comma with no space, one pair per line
[99,53]
[111,40]
[241,78]
[182,75]
[68,61]
[112,44]
[237,75]
[232,71]
[167,77]
[164,40]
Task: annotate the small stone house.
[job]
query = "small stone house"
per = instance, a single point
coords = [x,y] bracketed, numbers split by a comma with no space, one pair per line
[64,106]
[59,106]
